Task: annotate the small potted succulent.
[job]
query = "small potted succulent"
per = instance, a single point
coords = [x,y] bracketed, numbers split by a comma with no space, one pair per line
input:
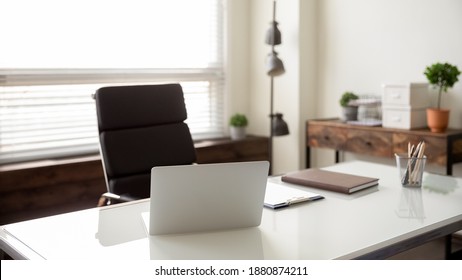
[349,110]
[238,123]
[442,76]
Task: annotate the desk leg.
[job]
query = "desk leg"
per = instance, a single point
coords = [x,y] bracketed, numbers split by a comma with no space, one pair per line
[4,256]
[308,157]
[447,247]
[449,160]
[449,169]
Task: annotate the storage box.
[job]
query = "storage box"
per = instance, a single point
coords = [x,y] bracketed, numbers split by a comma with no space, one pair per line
[415,95]
[404,117]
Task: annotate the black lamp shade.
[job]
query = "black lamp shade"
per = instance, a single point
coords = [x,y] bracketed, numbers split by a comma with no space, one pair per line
[273,35]
[274,65]
[279,126]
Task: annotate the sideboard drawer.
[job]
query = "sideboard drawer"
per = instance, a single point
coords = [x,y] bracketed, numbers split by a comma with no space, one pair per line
[369,142]
[435,147]
[327,137]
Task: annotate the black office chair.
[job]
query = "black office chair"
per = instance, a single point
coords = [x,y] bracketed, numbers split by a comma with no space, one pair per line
[140,127]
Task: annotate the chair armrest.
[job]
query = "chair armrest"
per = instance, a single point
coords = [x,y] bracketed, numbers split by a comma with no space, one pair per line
[109,198]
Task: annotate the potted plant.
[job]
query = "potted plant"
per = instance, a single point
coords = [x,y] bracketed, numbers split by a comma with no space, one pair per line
[238,123]
[349,110]
[442,77]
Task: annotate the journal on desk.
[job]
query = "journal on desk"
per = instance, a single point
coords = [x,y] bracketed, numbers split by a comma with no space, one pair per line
[278,196]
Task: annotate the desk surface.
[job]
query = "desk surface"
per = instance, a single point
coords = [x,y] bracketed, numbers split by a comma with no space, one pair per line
[373,223]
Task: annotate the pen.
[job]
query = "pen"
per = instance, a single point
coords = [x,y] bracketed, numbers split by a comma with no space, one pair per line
[303,198]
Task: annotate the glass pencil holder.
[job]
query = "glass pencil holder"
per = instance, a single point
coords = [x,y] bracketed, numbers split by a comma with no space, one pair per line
[410,169]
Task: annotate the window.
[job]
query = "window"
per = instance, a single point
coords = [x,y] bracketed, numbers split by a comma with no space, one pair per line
[51,64]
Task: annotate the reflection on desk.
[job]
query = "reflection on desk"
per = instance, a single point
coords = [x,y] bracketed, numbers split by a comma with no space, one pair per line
[442,185]
[231,245]
[114,230]
[224,244]
[411,204]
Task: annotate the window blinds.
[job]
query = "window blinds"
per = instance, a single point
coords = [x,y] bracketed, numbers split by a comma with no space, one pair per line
[46,108]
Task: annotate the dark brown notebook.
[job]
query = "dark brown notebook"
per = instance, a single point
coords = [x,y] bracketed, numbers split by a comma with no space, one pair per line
[330,180]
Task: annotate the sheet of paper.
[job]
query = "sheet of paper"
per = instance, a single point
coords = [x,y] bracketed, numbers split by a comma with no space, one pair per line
[278,195]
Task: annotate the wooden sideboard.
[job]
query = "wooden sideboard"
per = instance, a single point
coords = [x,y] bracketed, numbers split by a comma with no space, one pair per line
[442,148]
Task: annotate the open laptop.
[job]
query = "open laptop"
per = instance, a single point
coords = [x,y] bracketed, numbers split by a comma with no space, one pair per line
[207,197]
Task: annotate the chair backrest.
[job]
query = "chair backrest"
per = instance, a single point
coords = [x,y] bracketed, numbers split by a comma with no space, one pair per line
[141,127]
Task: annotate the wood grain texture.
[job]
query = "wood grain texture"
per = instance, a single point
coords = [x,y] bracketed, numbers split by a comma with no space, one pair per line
[369,142]
[331,137]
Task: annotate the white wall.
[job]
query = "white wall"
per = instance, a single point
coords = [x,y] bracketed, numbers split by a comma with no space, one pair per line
[308,95]
[330,46]
[363,44]
[237,61]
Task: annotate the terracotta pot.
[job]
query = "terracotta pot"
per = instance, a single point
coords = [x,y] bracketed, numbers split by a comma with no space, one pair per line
[437,119]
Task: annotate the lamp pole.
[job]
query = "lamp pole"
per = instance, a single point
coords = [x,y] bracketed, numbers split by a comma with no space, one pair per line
[271,125]
[270,152]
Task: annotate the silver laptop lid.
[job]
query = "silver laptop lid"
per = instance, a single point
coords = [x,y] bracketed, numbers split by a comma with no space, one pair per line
[207,197]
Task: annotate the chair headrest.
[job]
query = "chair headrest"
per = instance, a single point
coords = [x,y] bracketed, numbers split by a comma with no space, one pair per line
[120,107]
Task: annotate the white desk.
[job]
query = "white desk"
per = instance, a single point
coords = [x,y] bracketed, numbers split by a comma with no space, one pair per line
[374,223]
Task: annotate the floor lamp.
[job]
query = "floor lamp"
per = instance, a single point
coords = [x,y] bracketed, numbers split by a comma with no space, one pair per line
[274,67]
